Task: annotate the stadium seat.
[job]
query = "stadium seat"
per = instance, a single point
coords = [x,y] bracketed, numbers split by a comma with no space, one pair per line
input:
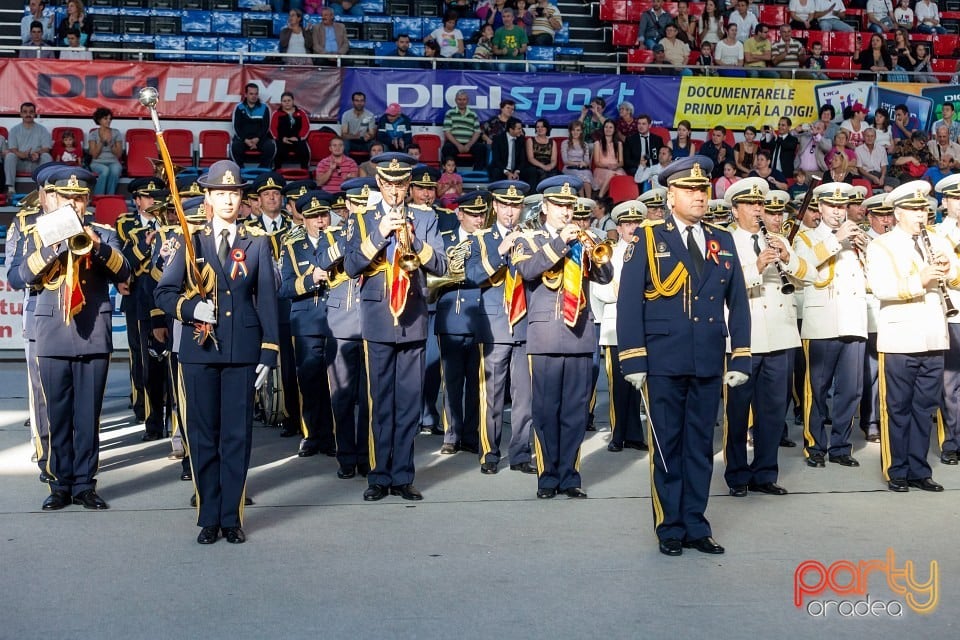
[663,132]
[841,63]
[180,145]
[625,34]
[944,68]
[613,10]
[623,188]
[141,146]
[429,148]
[57,133]
[863,182]
[636,58]
[773,15]
[945,46]
[841,42]
[214,146]
[318,142]
[107,208]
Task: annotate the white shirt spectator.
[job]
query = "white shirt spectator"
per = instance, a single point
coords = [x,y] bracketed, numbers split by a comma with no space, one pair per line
[904,17]
[871,161]
[447,40]
[729,54]
[745,25]
[829,6]
[927,12]
[802,11]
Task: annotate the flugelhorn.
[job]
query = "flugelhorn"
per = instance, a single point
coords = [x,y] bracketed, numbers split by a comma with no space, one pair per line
[80,244]
[409,261]
[600,252]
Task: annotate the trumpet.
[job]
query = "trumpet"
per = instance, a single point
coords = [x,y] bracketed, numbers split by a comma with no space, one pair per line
[80,244]
[600,252]
[409,261]
[786,287]
[948,309]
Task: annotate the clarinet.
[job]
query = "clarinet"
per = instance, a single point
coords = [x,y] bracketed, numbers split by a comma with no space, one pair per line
[786,287]
[948,309]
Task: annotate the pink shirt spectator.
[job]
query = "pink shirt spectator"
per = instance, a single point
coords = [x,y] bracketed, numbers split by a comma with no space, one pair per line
[448,183]
[348,169]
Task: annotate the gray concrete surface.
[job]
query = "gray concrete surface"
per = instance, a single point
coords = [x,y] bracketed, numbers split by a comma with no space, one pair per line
[480,557]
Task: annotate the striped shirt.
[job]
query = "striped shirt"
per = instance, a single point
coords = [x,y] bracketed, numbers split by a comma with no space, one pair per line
[793,51]
[461,126]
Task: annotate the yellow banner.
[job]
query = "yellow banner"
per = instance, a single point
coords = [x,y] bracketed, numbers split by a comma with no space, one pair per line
[738,102]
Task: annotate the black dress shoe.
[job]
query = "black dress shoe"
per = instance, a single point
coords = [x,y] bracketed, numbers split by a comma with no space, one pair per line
[671,547]
[546,494]
[289,430]
[947,457]
[150,437]
[705,544]
[208,535]
[234,535]
[639,445]
[406,491]
[47,478]
[898,484]
[193,500]
[375,492]
[815,460]
[139,415]
[448,448]
[787,442]
[523,467]
[186,476]
[56,500]
[739,491]
[307,450]
[363,470]
[590,425]
[614,447]
[845,460]
[90,500]
[346,471]
[470,448]
[574,492]
[927,484]
[488,468]
[771,488]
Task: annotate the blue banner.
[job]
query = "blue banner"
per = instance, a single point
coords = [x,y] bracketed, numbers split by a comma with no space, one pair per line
[425,96]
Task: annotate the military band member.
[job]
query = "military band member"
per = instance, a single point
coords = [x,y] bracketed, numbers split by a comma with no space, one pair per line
[72,315]
[502,331]
[834,329]
[626,426]
[292,192]
[423,191]
[677,276]
[227,353]
[767,263]
[905,270]
[583,218]
[656,201]
[392,245]
[856,211]
[304,285]
[948,419]
[457,325]
[556,266]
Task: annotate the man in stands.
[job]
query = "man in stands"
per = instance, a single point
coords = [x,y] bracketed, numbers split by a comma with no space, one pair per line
[335,168]
[547,21]
[251,130]
[653,25]
[358,127]
[28,147]
[461,133]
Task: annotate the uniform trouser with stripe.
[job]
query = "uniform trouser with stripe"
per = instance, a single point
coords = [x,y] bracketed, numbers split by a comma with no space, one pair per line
[73,389]
[681,414]
[288,377]
[178,438]
[625,402]
[949,435]
[502,362]
[430,416]
[39,418]
[770,371]
[154,382]
[837,363]
[395,386]
[560,397]
[219,426]
[347,380]
[136,358]
[316,421]
[913,386]
[870,401]
[594,373]
[460,369]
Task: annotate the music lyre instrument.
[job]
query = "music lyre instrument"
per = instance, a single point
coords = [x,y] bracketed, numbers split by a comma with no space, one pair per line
[948,309]
[786,287]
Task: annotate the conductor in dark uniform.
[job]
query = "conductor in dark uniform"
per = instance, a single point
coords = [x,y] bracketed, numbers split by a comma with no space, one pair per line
[555,264]
[392,245]
[73,317]
[227,353]
[678,275]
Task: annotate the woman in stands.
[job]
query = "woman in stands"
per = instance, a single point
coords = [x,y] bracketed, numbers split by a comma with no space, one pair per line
[541,155]
[295,39]
[576,157]
[105,145]
[626,123]
[686,24]
[608,158]
[901,44]
[289,126]
[710,24]
[881,123]
[922,65]
[801,14]
[875,57]
[763,170]
[682,144]
[746,151]
[76,18]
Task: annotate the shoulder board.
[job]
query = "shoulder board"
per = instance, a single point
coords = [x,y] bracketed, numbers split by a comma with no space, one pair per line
[255,231]
[716,226]
[650,223]
[449,232]
[297,233]
[420,207]
[532,233]
[444,210]
[99,225]
[932,228]
[480,232]
[170,228]
[127,217]
[334,229]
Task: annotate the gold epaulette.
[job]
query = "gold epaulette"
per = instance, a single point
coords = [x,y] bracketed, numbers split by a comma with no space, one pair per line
[716,226]
[421,207]
[650,223]
[532,233]
[480,232]
[171,228]
[333,229]
[295,234]
[100,225]
[256,231]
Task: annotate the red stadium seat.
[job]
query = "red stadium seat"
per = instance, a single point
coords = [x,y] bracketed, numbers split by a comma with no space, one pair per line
[107,208]
[636,58]
[773,15]
[944,68]
[696,145]
[558,142]
[318,140]
[180,145]
[823,37]
[842,63]
[429,148]
[945,46]
[625,34]
[214,146]
[613,10]
[863,182]
[141,147]
[663,132]
[623,188]
[842,42]
[635,9]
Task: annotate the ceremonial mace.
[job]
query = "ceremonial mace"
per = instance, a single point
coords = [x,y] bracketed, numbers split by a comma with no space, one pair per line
[149,97]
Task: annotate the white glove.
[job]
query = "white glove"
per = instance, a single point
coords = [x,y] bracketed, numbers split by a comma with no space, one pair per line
[205,312]
[636,379]
[263,372]
[734,378]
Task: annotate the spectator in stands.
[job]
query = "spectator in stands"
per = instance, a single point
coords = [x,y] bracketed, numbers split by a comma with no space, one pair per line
[491,13]
[901,45]
[943,145]
[758,53]
[947,120]
[251,129]
[717,150]
[484,48]
[394,129]
[729,51]
[329,36]
[28,146]
[855,125]
[402,50]
[76,18]
[745,151]
[830,16]
[35,13]
[903,15]
[431,49]
[675,50]
[507,153]
[911,158]
[626,123]
[710,26]
[413,150]
[358,127]
[727,180]
[335,168]
[450,184]
[840,145]
[461,133]
[943,167]
[875,57]
[686,24]
[509,42]
[368,169]
[782,146]
[660,66]
[547,21]
[541,155]
[74,50]
[815,62]
[289,126]
[811,157]
[591,115]
[653,25]
[802,15]
[602,221]
[705,62]
[881,125]
[105,146]
[69,153]
[36,40]
[448,37]
[309,6]
[872,162]
[762,169]
[745,21]
[642,148]
[922,69]
[607,159]
[788,52]
[294,39]
[682,146]
[498,123]
[904,124]
[346,8]
[523,16]
[880,18]
[575,153]
[647,177]
[800,184]
[928,17]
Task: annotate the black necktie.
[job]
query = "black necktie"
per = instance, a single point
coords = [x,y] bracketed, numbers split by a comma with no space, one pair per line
[776,154]
[152,225]
[695,254]
[645,147]
[756,244]
[224,249]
